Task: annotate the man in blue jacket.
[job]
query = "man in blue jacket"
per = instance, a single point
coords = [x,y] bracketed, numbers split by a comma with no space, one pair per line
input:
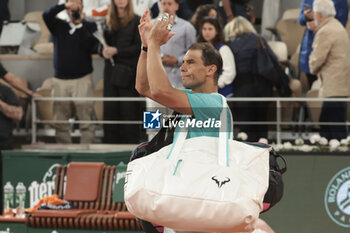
[306,15]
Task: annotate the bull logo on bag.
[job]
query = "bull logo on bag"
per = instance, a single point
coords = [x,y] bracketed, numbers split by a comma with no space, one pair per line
[220,182]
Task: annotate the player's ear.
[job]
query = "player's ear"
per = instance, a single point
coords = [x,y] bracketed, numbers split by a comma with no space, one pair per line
[211,69]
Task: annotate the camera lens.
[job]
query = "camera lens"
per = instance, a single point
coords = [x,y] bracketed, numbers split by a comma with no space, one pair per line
[75,15]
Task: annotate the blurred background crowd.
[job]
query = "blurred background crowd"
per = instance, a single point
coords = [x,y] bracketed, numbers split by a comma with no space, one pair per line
[270,48]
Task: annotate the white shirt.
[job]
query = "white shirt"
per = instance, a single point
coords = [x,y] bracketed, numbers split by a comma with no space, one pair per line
[141,5]
[89,5]
[228,67]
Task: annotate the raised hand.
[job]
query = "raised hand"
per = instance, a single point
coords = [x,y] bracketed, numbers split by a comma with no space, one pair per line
[73,6]
[161,32]
[108,52]
[309,15]
[145,27]
[35,94]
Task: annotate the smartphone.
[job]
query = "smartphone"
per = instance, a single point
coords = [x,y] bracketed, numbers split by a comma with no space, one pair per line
[307,6]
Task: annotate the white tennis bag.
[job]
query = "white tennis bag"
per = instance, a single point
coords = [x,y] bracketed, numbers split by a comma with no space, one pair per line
[204,184]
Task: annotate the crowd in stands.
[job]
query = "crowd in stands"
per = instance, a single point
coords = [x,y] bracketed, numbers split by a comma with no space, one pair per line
[228,25]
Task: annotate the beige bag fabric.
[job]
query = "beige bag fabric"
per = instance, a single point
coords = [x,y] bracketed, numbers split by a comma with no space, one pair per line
[203,184]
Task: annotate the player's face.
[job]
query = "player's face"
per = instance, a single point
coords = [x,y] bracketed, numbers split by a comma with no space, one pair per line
[193,70]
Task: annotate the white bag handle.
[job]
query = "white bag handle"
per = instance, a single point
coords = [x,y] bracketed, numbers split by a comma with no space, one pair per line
[223,156]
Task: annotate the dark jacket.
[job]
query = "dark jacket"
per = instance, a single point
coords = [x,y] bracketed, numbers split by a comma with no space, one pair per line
[3,71]
[127,41]
[4,10]
[6,124]
[244,48]
[72,52]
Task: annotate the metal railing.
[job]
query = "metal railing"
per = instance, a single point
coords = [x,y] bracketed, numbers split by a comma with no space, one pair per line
[278,101]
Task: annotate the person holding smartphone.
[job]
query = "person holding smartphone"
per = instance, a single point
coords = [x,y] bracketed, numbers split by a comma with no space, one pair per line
[74,45]
[306,19]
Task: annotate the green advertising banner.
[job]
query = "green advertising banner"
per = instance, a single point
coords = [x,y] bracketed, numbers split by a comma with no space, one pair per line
[316,197]
[11,227]
[120,173]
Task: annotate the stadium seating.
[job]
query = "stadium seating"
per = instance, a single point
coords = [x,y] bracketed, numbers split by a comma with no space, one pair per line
[280,49]
[289,30]
[42,46]
[89,187]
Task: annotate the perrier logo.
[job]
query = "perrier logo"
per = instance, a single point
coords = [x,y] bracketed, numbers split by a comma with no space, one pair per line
[337,198]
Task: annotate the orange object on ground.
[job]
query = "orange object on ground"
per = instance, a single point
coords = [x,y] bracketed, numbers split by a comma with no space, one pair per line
[51,200]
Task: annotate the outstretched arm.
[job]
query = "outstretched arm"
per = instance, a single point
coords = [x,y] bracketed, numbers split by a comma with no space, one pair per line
[15,82]
[160,87]
[142,85]
[228,11]
[19,85]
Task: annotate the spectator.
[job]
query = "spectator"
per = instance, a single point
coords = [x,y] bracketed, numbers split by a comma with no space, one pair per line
[230,9]
[73,46]
[183,11]
[203,11]
[4,13]
[16,82]
[141,6]
[123,47]
[306,15]
[329,60]
[242,38]
[211,31]
[9,111]
[194,4]
[91,8]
